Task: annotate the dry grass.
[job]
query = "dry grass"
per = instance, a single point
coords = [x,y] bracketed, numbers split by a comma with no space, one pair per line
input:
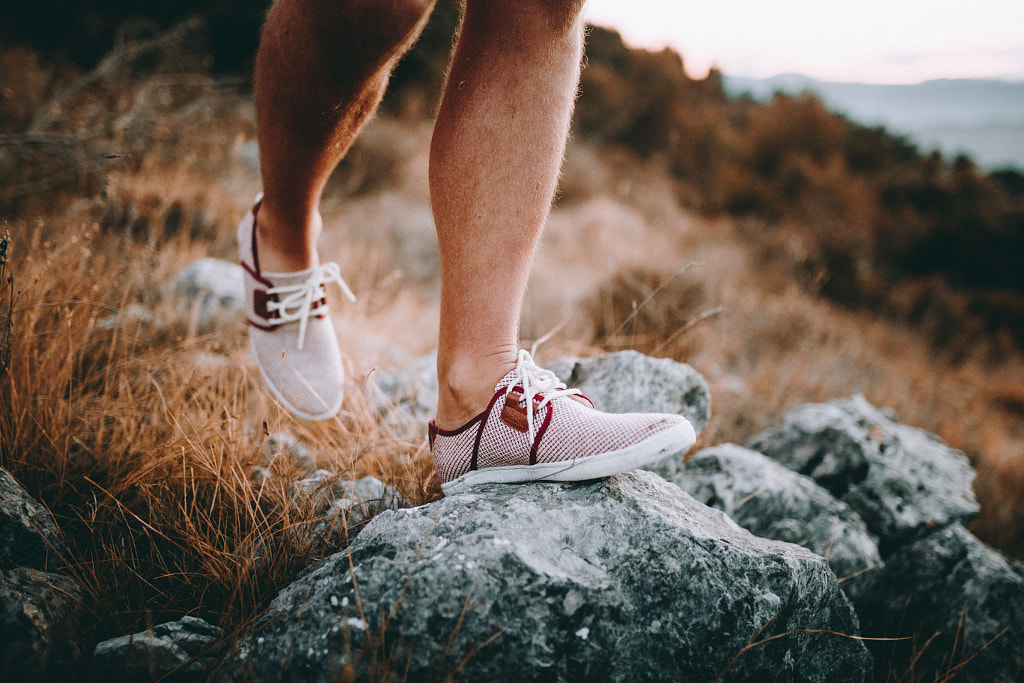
[142,438]
[143,441]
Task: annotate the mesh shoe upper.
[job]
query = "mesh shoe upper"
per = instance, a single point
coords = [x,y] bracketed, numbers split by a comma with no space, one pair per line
[561,427]
[292,337]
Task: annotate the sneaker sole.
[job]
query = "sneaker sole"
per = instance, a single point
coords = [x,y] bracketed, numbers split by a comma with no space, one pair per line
[301,414]
[673,440]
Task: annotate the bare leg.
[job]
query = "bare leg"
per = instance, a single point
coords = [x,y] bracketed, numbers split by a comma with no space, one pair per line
[495,157]
[321,70]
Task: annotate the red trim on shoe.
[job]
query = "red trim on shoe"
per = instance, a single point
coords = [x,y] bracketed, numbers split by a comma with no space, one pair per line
[540,434]
[255,254]
[256,276]
[480,433]
[456,432]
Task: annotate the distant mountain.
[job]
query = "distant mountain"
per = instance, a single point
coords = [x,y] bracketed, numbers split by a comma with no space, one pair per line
[981,118]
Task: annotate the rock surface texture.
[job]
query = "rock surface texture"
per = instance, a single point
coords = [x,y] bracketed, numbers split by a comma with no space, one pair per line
[970,597]
[28,537]
[39,606]
[902,481]
[771,501]
[621,579]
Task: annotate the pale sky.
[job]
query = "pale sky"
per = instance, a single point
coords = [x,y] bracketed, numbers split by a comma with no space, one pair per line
[876,41]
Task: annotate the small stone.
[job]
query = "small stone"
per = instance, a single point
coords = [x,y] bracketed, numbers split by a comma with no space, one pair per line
[284,445]
[174,651]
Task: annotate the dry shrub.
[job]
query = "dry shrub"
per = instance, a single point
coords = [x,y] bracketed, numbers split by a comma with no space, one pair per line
[648,311]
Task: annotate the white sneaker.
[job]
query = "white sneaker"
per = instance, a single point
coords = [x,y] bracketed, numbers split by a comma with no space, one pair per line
[292,337]
[536,429]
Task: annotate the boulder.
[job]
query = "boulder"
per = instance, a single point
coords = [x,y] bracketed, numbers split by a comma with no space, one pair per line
[214,290]
[173,651]
[621,579]
[28,537]
[630,382]
[39,618]
[771,501]
[968,596]
[902,481]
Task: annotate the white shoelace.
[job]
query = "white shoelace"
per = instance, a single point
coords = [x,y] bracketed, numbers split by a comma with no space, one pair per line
[296,301]
[535,380]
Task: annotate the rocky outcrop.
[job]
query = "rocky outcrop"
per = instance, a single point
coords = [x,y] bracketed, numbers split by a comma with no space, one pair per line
[958,602]
[902,481]
[180,650]
[620,579]
[771,501]
[407,398]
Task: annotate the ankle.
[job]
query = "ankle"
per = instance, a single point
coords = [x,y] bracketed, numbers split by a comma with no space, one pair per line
[466,387]
[286,246]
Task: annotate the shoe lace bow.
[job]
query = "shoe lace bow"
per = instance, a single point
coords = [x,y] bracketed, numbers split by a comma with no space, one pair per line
[535,381]
[295,302]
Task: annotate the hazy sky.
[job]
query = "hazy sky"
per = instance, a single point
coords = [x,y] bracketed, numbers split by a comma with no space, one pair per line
[878,41]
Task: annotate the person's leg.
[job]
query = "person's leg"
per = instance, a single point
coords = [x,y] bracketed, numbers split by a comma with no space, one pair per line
[494,165]
[321,70]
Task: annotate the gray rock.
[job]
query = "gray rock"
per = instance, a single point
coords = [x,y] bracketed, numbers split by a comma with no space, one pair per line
[902,481]
[173,651]
[28,537]
[621,579]
[213,289]
[630,382]
[951,584]
[771,501]
[39,619]
[407,398]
